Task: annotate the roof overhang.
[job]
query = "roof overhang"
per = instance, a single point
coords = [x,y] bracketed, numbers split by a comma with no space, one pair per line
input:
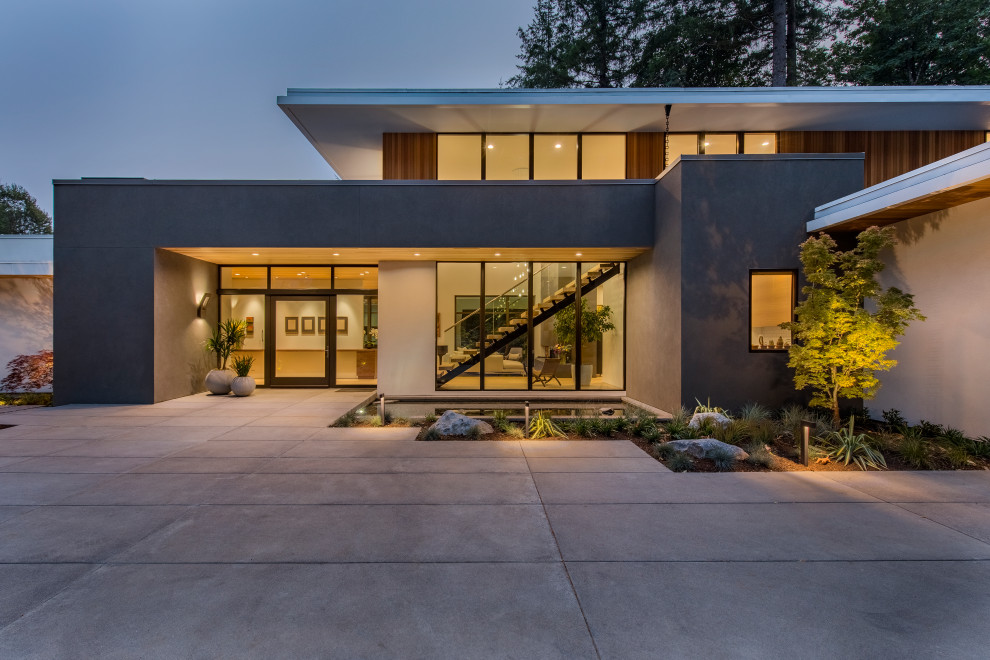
[958,179]
[26,255]
[267,256]
[346,125]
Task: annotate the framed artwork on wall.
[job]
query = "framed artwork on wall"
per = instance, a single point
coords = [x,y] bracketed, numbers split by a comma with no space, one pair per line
[321,325]
[309,325]
[249,326]
[292,325]
[341,325]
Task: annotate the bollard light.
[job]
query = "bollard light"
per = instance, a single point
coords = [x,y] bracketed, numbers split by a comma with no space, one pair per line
[381,407]
[806,427]
[526,421]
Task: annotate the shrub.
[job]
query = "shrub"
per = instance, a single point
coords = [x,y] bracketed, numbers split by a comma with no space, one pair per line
[708,427]
[733,433]
[622,424]
[500,421]
[28,373]
[953,437]
[582,426]
[763,433]
[474,432]
[930,430]
[916,451]
[722,458]
[346,420]
[893,418]
[663,451]
[387,419]
[979,447]
[375,421]
[431,434]
[681,415]
[790,420]
[400,421]
[430,418]
[604,427]
[759,455]
[26,399]
[850,447]
[753,413]
[958,456]
[708,408]
[651,433]
[515,432]
[242,365]
[542,426]
[679,430]
[680,462]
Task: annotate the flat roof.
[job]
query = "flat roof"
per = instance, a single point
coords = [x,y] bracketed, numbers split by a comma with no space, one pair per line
[26,255]
[960,178]
[345,125]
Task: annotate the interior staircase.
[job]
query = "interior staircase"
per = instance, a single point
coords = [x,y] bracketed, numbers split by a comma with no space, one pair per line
[542,311]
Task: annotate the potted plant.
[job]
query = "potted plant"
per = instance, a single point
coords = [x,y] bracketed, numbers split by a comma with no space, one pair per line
[243,384]
[226,338]
[594,324]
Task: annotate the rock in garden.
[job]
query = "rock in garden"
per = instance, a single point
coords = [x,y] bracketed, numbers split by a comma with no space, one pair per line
[717,418]
[703,448]
[452,423]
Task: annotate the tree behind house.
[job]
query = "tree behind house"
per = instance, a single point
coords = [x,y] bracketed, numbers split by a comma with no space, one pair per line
[839,343]
[20,213]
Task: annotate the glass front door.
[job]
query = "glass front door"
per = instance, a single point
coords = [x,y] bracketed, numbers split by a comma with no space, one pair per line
[301,327]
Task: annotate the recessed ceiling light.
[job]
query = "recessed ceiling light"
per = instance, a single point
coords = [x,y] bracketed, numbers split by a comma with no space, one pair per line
[254,254]
[336,254]
[498,254]
[415,254]
[766,144]
[707,144]
[491,146]
[577,254]
[237,274]
[556,146]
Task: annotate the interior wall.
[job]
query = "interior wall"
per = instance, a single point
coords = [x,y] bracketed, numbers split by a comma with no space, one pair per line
[406,328]
[26,321]
[180,361]
[351,307]
[941,376]
[611,293]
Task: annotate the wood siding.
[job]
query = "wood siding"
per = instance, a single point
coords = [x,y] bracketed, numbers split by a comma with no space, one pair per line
[644,155]
[888,153]
[409,156]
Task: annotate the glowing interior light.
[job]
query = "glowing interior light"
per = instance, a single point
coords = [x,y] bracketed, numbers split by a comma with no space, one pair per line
[766,144]
[491,146]
[556,146]
[415,254]
[254,254]
[336,254]
[577,254]
[498,254]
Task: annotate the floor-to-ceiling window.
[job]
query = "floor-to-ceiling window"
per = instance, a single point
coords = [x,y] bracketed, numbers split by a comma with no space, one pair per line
[504,326]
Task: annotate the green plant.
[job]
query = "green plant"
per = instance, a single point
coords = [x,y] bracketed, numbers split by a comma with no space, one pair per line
[346,420]
[753,413]
[387,419]
[763,433]
[979,447]
[958,456]
[931,430]
[431,435]
[26,399]
[916,451]
[723,459]
[951,436]
[759,455]
[733,433]
[474,432]
[893,418]
[430,418]
[680,462]
[242,365]
[840,342]
[542,426]
[603,427]
[399,421]
[594,323]
[707,408]
[682,415]
[375,421]
[500,421]
[227,337]
[663,451]
[848,447]
[708,427]
[621,424]
[582,426]
[515,432]
[651,433]
[790,419]
[679,430]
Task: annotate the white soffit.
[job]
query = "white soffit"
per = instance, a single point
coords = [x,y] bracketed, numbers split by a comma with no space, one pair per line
[346,125]
[26,255]
[960,178]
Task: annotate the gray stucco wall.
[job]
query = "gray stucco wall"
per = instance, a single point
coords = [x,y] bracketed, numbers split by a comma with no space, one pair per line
[741,213]
[181,362]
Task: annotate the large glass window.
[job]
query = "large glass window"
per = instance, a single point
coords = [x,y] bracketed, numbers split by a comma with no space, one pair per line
[721,143]
[301,277]
[458,325]
[251,310]
[760,143]
[243,277]
[680,144]
[771,298]
[356,333]
[506,298]
[604,330]
[459,157]
[507,157]
[555,156]
[355,277]
[603,156]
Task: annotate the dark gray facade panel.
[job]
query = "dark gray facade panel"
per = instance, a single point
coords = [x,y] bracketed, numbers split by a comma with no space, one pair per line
[104,325]
[653,306]
[354,214]
[739,215]
[181,362]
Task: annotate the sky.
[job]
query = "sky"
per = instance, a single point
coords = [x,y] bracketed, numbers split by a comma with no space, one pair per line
[185,89]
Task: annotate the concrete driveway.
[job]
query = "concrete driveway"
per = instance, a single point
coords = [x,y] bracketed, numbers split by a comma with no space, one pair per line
[221,527]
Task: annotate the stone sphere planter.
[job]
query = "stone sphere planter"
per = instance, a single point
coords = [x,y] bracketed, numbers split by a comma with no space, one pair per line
[242,386]
[218,381]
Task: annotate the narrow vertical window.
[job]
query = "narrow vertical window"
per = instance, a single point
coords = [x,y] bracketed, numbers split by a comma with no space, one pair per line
[771,302]
[459,157]
[760,143]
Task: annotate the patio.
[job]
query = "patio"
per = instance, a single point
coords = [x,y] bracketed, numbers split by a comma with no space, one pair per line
[216,526]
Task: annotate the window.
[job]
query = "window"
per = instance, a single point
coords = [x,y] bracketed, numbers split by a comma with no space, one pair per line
[772,297]
[301,277]
[355,277]
[244,277]
[603,156]
[721,143]
[459,157]
[760,143]
[507,157]
[680,144]
[555,156]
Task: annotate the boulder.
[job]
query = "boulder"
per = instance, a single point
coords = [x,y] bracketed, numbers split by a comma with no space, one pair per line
[718,418]
[703,447]
[452,423]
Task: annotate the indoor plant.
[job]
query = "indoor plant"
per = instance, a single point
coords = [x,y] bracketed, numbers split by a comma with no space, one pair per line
[594,324]
[243,384]
[226,338]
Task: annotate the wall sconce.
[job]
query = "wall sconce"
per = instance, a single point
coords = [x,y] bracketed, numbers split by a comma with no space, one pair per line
[203,302]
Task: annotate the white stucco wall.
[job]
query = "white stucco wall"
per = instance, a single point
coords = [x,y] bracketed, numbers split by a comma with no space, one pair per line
[25,296]
[943,259]
[406,328]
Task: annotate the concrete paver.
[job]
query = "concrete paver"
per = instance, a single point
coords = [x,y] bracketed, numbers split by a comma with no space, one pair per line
[224,527]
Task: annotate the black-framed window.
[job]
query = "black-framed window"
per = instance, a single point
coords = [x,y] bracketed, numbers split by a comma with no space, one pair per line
[772,298]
